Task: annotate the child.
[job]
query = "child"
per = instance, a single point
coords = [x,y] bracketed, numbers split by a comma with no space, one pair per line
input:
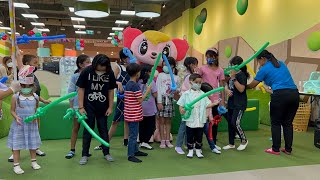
[82,62]
[237,104]
[96,92]
[32,61]
[149,109]
[214,75]
[206,87]
[24,135]
[6,71]
[133,110]
[191,63]
[196,121]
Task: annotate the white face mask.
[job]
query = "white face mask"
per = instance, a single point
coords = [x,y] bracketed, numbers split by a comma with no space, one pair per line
[195,86]
[10,64]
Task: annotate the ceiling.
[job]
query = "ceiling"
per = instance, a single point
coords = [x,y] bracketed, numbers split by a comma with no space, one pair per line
[55,14]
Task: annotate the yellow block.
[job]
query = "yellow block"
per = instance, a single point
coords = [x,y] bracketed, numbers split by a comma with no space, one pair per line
[57,50]
[251,109]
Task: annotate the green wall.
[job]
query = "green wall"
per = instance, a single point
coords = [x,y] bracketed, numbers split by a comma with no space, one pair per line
[265,20]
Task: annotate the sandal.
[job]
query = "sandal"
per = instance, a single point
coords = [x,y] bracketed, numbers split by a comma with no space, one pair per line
[270,151]
[35,165]
[17,169]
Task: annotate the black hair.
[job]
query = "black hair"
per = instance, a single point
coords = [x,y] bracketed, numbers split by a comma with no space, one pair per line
[133,69]
[173,63]
[266,54]
[213,53]
[206,87]
[188,61]
[80,60]
[237,60]
[27,59]
[145,69]
[102,60]
[122,56]
[193,77]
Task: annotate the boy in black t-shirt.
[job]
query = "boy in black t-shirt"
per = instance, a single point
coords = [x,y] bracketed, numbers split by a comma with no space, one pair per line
[237,104]
[96,92]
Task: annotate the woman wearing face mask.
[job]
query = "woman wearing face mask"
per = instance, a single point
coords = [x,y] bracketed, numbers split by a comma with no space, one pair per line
[213,74]
[284,99]
[6,71]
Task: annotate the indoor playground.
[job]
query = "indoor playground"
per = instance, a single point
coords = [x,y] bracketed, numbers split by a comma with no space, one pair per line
[206,89]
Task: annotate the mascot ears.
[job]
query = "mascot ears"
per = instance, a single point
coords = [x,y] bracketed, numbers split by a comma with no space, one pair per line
[130,34]
[182,48]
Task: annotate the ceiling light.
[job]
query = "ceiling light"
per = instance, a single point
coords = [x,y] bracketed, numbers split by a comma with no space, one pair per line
[89,0]
[16,33]
[92,9]
[30,15]
[79,26]
[128,13]
[71,9]
[117,28]
[111,34]
[77,19]
[148,10]
[164,5]
[62,29]
[109,37]
[80,32]
[5,28]
[121,22]
[21,5]
[23,27]
[20,25]
[0,22]
[44,30]
[37,24]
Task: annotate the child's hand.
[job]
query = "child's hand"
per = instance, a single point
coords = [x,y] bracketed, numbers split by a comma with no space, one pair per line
[18,119]
[149,88]
[160,107]
[182,111]
[82,111]
[233,73]
[216,102]
[120,87]
[229,92]
[47,101]
[109,111]
[211,119]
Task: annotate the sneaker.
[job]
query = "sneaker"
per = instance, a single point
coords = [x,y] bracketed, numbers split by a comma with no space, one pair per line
[163,144]
[237,136]
[242,146]
[179,150]
[139,153]
[35,165]
[199,153]
[40,153]
[227,147]
[270,151]
[215,150]
[70,155]
[168,144]
[219,148]
[98,148]
[109,158]
[125,142]
[284,151]
[146,146]
[134,159]
[190,154]
[17,169]
[84,160]
[10,158]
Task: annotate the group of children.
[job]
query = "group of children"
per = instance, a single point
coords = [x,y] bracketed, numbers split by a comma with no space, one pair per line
[139,104]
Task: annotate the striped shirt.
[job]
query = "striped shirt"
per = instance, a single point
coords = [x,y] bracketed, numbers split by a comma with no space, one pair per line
[132,107]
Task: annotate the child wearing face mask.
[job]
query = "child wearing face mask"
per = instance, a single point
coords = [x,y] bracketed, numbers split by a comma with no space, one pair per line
[213,74]
[6,71]
[24,135]
[198,118]
[165,102]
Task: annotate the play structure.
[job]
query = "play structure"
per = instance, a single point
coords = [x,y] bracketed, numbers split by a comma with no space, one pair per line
[312,86]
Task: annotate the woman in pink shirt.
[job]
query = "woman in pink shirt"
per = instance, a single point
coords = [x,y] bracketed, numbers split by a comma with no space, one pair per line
[213,74]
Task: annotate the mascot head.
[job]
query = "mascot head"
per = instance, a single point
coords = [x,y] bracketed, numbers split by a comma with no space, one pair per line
[147,46]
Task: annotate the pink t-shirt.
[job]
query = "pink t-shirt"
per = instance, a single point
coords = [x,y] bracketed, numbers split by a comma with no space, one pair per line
[212,77]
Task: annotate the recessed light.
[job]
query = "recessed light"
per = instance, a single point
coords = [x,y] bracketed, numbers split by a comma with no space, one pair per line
[0,22]
[97,52]
[109,37]
[37,24]
[44,30]
[71,9]
[80,32]
[5,28]
[111,34]
[121,22]
[21,5]
[79,26]
[30,15]
[128,13]
[117,28]
[77,19]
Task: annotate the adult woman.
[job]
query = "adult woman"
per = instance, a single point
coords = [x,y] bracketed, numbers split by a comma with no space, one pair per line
[284,99]
[6,70]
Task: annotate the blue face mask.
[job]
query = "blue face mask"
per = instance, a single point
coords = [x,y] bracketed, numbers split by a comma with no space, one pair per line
[211,61]
[195,86]
[26,91]
[165,69]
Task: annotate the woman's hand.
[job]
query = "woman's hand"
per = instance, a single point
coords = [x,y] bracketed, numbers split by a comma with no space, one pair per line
[160,107]
[229,92]
[268,90]
[46,101]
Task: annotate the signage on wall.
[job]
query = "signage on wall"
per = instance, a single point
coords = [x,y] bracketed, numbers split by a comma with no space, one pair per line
[90,32]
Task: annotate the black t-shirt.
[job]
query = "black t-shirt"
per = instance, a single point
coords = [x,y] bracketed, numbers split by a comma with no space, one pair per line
[96,89]
[238,100]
